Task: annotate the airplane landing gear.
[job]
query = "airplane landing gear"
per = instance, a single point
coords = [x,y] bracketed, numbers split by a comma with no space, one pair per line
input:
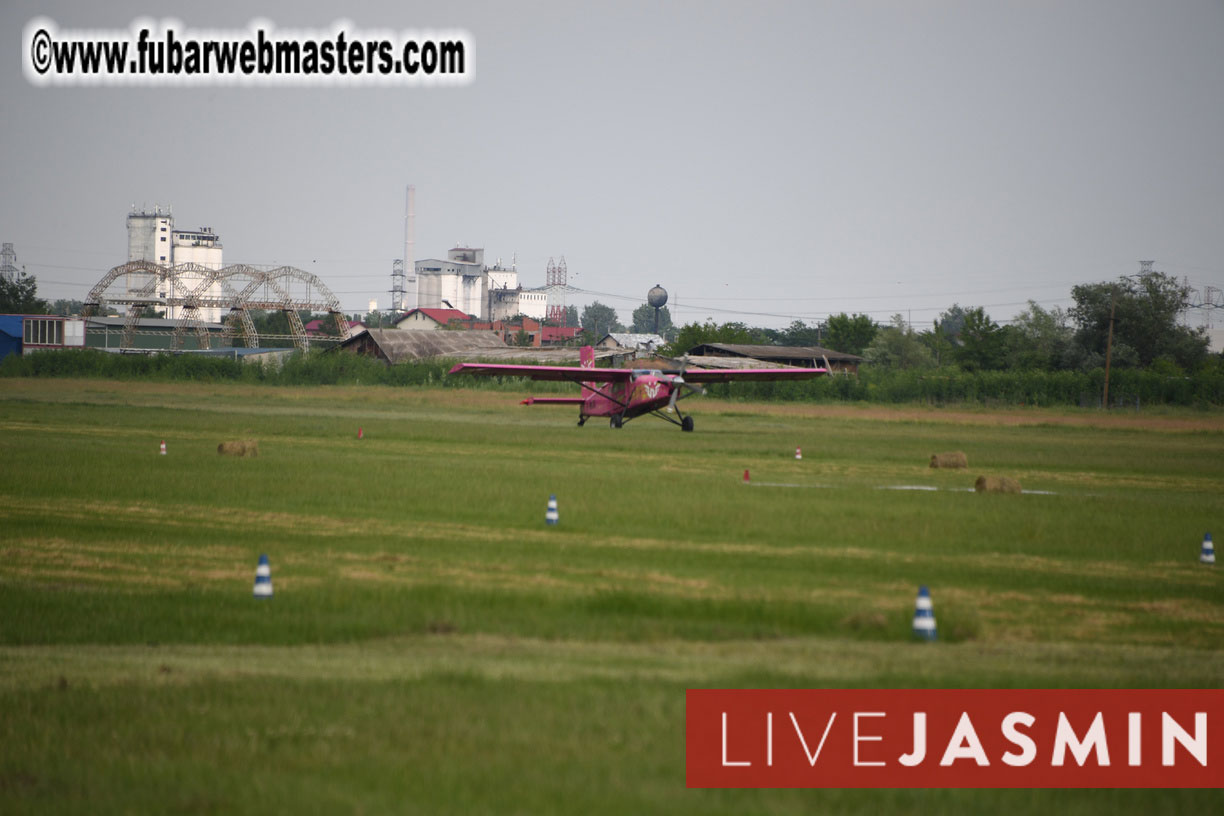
[581,420]
[686,424]
[616,421]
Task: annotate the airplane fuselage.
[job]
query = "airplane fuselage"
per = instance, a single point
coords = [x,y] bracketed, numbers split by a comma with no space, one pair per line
[643,394]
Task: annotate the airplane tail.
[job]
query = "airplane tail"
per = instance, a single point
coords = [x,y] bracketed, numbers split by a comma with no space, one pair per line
[587,357]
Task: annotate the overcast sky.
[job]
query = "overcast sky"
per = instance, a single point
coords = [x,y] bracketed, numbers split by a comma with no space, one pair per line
[764,161]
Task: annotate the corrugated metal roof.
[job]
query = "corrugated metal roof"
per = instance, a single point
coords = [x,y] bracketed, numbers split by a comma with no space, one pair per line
[537,356]
[729,363]
[635,341]
[774,352]
[400,346]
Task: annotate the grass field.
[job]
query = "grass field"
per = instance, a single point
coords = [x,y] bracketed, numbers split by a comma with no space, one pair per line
[433,647]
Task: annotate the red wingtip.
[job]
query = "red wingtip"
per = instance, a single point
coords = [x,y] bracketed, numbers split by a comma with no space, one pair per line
[526,401]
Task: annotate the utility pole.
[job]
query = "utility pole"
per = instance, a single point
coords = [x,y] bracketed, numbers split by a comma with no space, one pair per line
[1145,269]
[1113,298]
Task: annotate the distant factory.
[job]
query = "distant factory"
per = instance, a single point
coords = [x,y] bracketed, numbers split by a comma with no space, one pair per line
[463,281]
[460,281]
[153,238]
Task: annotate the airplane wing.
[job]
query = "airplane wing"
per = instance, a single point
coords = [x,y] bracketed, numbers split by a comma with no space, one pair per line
[557,373]
[554,401]
[707,375]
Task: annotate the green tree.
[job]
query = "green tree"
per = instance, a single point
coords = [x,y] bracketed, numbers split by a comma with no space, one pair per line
[379,320]
[1146,309]
[327,324]
[1039,338]
[939,343]
[799,333]
[66,307]
[644,320]
[952,321]
[275,322]
[695,334]
[898,346]
[599,319]
[770,337]
[20,295]
[850,335]
[982,341]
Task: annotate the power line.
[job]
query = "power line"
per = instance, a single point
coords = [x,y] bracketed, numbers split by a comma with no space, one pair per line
[809,315]
[1178,265]
[961,293]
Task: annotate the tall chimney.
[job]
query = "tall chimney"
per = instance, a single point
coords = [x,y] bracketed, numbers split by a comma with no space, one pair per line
[412,295]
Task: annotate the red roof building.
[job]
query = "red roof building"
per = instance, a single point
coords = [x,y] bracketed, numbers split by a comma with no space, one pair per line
[558,336]
[430,319]
[316,326]
[537,334]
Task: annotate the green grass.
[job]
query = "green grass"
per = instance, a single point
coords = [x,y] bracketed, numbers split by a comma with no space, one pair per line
[434,648]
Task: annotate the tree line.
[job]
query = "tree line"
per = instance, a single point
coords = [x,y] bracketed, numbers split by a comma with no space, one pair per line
[1144,310]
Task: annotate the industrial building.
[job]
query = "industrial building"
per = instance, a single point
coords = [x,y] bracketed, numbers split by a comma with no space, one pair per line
[463,282]
[458,282]
[150,333]
[28,334]
[153,238]
[509,302]
[24,334]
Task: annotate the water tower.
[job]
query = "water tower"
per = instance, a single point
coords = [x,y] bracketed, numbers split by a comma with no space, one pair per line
[657,298]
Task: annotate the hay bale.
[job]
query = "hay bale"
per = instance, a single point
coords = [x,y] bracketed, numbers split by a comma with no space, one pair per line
[996,484]
[955,459]
[239,447]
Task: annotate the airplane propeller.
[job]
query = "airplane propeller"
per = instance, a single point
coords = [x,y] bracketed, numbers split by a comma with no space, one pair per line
[675,393]
[678,380]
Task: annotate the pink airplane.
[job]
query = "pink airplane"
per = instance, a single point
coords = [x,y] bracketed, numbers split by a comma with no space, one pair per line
[624,393]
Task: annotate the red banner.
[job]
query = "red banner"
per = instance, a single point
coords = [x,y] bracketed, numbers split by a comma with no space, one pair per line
[955,738]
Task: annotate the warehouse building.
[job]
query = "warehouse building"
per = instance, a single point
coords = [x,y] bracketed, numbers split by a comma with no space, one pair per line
[25,334]
[802,356]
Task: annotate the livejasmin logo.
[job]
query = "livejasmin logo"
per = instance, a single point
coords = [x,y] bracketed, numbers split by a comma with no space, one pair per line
[954,738]
[965,743]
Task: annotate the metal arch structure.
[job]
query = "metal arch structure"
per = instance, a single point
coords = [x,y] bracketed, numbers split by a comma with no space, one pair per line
[237,289]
